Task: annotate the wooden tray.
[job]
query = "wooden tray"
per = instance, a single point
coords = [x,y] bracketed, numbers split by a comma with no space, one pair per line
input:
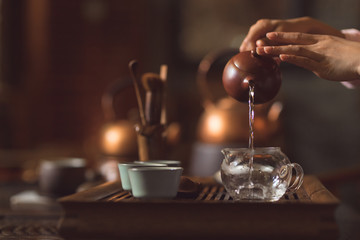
[107,211]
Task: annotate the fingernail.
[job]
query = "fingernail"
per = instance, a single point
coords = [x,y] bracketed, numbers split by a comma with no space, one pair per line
[271,35]
[283,57]
[260,43]
[260,50]
[267,49]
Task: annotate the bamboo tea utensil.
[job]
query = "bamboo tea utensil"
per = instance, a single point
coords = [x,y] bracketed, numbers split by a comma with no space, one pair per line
[153,86]
[133,66]
[151,130]
[150,135]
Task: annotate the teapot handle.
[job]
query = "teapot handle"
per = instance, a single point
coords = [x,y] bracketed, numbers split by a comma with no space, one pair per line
[107,99]
[298,177]
[205,66]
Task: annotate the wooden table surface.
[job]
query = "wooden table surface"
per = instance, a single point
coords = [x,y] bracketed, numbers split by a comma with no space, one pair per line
[43,224]
[29,224]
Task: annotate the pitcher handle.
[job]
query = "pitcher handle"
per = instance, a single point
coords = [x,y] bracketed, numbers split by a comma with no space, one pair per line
[298,177]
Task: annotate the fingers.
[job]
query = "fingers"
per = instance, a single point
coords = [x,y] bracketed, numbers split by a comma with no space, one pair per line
[303,62]
[297,50]
[292,38]
[247,45]
[265,42]
[257,31]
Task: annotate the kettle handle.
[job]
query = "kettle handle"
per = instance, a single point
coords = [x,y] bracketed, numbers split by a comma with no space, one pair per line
[107,99]
[203,69]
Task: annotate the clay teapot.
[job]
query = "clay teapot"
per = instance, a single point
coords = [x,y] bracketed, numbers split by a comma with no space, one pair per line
[226,120]
[250,68]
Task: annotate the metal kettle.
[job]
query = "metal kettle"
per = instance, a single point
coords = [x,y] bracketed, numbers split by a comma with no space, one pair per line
[118,136]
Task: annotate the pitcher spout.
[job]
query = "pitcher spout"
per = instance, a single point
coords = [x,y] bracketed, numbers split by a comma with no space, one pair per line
[227,153]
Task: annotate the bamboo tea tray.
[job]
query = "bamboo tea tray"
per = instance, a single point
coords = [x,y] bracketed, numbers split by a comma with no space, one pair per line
[106,211]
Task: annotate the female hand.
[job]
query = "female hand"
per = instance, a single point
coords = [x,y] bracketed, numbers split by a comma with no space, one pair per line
[329,57]
[257,32]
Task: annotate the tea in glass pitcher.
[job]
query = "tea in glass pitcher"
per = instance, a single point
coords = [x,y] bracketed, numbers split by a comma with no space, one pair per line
[262,174]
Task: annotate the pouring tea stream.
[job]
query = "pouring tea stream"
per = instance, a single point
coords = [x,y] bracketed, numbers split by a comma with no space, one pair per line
[224,121]
[255,173]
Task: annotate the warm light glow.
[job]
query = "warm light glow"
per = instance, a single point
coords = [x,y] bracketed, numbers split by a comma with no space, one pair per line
[112,136]
[275,111]
[260,124]
[112,139]
[119,138]
[215,125]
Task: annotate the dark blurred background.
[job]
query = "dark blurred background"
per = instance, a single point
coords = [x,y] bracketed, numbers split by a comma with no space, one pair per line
[59,57]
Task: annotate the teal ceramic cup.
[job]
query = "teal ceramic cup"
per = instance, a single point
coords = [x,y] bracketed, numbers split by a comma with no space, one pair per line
[169,163]
[123,170]
[155,182]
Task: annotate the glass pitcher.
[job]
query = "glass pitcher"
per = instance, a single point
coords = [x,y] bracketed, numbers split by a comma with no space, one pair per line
[259,174]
